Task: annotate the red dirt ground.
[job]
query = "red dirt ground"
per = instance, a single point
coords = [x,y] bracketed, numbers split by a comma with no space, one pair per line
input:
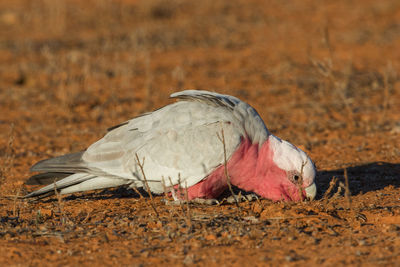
[323,75]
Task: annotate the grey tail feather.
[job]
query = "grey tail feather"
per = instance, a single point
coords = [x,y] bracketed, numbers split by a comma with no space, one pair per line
[40,196]
[69,163]
[46,178]
[70,180]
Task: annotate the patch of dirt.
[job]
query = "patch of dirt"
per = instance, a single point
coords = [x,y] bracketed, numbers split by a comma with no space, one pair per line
[323,75]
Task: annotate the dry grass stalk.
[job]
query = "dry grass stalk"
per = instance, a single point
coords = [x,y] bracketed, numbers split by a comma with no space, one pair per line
[300,182]
[188,215]
[147,185]
[164,188]
[327,40]
[386,92]
[172,187]
[342,86]
[228,180]
[186,195]
[8,162]
[334,81]
[330,188]
[179,193]
[137,192]
[15,203]
[258,200]
[174,194]
[290,193]
[149,82]
[166,196]
[60,205]
[347,193]
[338,193]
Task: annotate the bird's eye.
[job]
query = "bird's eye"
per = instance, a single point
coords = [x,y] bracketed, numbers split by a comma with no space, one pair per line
[296,178]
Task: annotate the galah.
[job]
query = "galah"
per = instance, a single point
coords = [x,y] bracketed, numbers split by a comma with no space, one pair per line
[201,143]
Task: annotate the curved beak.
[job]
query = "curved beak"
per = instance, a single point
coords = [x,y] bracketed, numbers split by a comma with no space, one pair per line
[311,191]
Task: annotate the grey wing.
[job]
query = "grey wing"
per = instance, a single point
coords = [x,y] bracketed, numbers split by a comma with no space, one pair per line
[177,142]
[241,112]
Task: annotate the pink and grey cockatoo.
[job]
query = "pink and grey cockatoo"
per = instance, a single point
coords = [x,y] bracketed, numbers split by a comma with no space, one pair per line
[181,143]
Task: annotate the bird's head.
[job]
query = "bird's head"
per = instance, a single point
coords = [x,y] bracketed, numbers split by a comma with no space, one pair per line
[290,173]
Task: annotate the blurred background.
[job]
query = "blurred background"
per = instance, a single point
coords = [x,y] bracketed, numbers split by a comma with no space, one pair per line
[322,74]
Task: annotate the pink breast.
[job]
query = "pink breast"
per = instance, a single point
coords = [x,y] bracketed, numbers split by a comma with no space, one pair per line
[241,164]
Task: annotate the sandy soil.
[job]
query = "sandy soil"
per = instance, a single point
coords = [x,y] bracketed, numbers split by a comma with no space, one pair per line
[323,75]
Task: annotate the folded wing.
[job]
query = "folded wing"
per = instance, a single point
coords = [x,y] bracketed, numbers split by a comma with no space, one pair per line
[177,143]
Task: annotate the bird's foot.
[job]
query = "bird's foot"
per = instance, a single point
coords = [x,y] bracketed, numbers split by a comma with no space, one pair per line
[200,201]
[240,198]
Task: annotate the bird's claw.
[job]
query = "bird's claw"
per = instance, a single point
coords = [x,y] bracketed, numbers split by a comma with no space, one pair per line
[241,198]
[211,201]
[201,201]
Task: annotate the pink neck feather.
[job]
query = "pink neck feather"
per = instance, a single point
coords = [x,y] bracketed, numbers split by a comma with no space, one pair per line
[250,168]
[253,169]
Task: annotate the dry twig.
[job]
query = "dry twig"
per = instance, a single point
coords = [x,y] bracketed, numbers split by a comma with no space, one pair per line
[60,205]
[228,180]
[188,216]
[15,202]
[330,188]
[137,192]
[386,92]
[147,184]
[300,182]
[347,193]
[174,194]
[179,193]
[164,188]
[8,162]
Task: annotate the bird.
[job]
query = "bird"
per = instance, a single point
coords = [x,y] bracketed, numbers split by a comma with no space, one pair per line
[204,142]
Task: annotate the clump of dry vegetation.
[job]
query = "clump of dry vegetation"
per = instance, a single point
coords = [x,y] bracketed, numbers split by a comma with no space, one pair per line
[7,157]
